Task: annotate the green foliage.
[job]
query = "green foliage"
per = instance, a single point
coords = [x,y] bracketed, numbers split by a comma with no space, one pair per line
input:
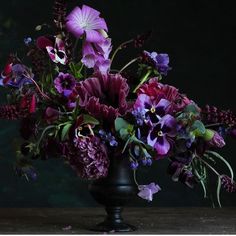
[75,69]
[65,131]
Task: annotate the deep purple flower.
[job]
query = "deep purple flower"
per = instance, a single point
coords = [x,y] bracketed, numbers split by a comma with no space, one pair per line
[51,115]
[153,111]
[228,184]
[159,134]
[104,97]
[86,21]
[159,61]
[147,191]
[216,141]
[90,159]
[65,83]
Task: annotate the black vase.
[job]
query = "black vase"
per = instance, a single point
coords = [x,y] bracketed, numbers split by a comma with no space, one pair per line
[114,192]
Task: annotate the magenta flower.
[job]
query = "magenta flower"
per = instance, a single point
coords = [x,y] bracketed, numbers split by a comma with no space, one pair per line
[104,97]
[86,21]
[158,136]
[147,191]
[51,115]
[64,84]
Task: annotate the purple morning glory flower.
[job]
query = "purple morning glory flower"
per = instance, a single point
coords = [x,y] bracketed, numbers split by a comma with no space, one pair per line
[64,84]
[159,61]
[153,111]
[159,134]
[147,191]
[86,20]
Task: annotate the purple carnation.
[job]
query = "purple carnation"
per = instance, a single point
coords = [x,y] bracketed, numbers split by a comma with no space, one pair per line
[64,84]
[90,160]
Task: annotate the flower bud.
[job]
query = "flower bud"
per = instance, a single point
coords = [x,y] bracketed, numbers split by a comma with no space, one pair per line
[216,141]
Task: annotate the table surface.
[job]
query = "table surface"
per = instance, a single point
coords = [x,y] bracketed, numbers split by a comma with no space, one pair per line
[148,220]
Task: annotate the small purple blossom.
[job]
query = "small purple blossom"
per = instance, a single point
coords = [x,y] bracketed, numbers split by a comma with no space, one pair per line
[86,20]
[228,184]
[108,137]
[147,191]
[217,140]
[139,115]
[134,165]
[159,61]
[27,41]
[64,84]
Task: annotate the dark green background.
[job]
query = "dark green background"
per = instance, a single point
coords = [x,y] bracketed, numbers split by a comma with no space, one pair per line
[200,39]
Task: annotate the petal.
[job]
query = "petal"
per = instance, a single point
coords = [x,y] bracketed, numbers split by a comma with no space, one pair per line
[141,101]
[93,36]
[146,194]
[43,42]
[51,53]
[154,187]
[169,125]
[151,141]
[60,44]
[162,145]
[89,60]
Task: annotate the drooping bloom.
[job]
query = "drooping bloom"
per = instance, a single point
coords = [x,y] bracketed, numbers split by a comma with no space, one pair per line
[64,84]
[104,97]
[96,56]
[147,191]
[55,48]
[159,61]
[90,160]
[153,110]
[161,132]
[51,115]
[216,141]
[86,20]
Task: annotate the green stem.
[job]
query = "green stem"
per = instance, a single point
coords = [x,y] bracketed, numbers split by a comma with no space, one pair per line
[213,125]
[209,166]
[135,178]
[144,79]
[128,64]
[120,48]
[43,133]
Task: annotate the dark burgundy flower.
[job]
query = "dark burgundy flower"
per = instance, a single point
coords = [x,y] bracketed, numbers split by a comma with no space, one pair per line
[91,160]
[104,97]
[51,115]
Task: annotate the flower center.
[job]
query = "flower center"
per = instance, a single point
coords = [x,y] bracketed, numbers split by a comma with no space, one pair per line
[160,133]
[153,110]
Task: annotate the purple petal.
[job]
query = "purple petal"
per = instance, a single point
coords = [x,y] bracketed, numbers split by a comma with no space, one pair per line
[93,36]
[145,193]
[141,101]
[103,66]
[162,145]
[154,187]
[169,125]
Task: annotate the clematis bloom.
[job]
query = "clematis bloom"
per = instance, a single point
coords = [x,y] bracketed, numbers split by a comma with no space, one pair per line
[147,191]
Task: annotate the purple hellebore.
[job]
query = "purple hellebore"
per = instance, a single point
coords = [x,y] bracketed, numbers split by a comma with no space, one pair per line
[159,134]
[154,111]
[147,191]
[87,20]
[159,61]
[64,84]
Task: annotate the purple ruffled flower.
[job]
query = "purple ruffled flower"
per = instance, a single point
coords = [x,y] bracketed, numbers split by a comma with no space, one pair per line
[159,134]
[147,191]
[64,84]
[86,20]
[90,159]
[159,61]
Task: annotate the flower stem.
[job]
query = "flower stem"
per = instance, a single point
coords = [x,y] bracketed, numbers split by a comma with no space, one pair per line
[120,48]
[128,64]
[144,79]
[135,178]
[209,166]
[43,133]
[213,125]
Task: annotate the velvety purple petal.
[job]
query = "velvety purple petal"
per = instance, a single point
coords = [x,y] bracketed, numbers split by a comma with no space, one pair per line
[162,145]
[145,193]
[93,36]
[154,187]
[169,125]
[141,101]
[150,140]
[89,14]
[103,66]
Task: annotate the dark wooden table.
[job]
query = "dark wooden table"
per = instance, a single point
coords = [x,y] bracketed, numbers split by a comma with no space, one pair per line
[148,220]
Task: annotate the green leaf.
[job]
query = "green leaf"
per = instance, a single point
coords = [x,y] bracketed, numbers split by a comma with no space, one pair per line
[191,109]
[65,131]
[90,120]
[218,190]
[209,134]
[120,123]
[222,159]
[124,134]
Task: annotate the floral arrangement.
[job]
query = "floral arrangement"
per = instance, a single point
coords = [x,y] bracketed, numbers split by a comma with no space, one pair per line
[72,103]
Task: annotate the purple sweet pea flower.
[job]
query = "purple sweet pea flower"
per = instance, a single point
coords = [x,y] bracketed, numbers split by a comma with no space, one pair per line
[159,61]
[153,111]
[159,134]
[147,191]
[64,84]
[86,20]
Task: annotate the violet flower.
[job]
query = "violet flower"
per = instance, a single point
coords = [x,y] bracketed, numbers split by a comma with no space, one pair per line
[108,137]
[153,111]
[217,140]
[86,20]
[159,134]
[147,191]
[159,61]
[64,84]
